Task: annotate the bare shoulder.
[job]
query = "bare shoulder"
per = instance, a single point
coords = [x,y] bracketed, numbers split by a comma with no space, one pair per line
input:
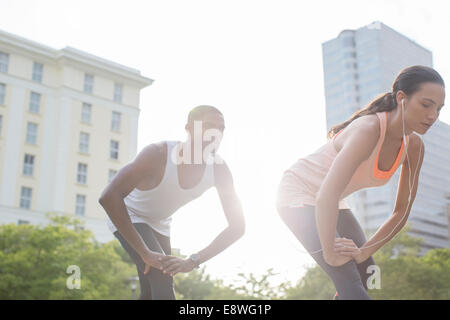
[415,145]
[151,156]
[359,143]
[364,130]
[369,124]
[145,165]
[415,141]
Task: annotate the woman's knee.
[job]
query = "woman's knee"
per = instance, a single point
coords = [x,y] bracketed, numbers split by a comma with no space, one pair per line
[345,274]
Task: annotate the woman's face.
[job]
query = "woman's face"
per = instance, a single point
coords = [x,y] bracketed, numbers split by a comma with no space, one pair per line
[422,107]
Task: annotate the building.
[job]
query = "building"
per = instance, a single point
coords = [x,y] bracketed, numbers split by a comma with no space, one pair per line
[358,65]
[68,123]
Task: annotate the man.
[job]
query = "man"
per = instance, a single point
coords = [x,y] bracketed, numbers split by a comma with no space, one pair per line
[164,176]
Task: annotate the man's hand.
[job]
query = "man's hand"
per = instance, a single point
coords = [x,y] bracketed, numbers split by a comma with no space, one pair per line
[152,259]
[172,265]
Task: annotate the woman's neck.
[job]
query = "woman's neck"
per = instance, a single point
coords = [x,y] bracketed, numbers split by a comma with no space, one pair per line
[394,125]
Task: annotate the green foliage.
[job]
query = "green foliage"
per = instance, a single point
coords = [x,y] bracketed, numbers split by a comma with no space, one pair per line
[199,285]
[195,285]
[404,274]
[314,285]
[260,287]
[34,262]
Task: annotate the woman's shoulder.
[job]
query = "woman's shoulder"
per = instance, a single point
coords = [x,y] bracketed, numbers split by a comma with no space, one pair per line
[366,128]
[369,122]
[415,142]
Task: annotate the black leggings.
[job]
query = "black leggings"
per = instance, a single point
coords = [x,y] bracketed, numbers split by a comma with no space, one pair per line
[350,279]
[154,285]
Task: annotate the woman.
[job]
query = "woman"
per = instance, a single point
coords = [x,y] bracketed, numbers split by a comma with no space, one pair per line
[362,152]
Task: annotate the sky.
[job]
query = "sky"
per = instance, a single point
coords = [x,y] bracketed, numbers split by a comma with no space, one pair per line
[259,62]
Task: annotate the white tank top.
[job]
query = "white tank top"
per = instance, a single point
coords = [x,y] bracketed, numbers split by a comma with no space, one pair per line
[156,206]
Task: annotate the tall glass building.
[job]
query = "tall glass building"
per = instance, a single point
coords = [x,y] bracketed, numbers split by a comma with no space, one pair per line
[359,65]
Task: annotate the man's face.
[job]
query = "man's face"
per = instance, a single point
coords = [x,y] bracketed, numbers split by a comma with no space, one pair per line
[208,129]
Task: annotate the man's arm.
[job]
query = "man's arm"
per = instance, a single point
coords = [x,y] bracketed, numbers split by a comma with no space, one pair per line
[233,212]
[401,210]
[122,184]
[235,229]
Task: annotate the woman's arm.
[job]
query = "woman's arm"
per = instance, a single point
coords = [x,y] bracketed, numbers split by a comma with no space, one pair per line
[402,209]
[356,148]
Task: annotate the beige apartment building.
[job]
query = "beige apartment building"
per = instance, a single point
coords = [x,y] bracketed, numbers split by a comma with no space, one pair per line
[68,123]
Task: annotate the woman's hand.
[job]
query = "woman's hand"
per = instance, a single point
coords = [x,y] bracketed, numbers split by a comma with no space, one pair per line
[152,259]
[347,247]
[172,265]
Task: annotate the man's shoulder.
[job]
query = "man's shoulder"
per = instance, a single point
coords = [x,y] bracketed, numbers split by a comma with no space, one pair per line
[153,154]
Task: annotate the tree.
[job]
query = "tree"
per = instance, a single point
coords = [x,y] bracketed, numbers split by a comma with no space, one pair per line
[259,287]
[404,274]
[199,285]
[34,262]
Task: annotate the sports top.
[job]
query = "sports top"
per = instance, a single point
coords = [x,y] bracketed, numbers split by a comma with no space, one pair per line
[301,182]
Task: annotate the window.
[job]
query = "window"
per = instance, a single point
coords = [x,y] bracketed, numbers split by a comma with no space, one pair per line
[349,54]
[28,165]
[82,173]
[86,111]
[22,222]
[35,102]
[4,61]
[114,149]
[80,205]
[31,133]
[118,92]
[88,83]
[348,42]
[115,121]
[111,174]
[37,71]
[84,142]
[25,198]
[2,93]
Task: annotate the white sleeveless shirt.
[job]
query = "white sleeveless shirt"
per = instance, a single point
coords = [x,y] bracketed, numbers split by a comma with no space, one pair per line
[156,206]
